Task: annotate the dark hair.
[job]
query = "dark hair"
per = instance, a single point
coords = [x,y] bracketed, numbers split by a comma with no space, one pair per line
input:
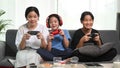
[54,15]
[86,13]
[29,9]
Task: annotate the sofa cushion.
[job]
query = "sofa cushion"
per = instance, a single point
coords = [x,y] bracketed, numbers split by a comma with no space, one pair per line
[11,48]
[109,35]
[5,62]
[94,50]
[106,47]
[2,49]
[90,50]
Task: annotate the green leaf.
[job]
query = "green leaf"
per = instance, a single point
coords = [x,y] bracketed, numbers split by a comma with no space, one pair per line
[3,23]
[2,12]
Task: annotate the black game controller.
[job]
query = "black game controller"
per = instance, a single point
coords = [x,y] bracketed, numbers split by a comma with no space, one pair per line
[93,35]
[92,65]
[33,66]
[33,32]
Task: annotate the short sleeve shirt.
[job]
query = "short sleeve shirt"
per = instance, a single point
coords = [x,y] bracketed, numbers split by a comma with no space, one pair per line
[78,35]
[57,42]
[33,41]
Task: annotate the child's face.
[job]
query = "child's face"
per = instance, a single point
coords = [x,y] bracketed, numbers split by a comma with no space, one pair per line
[87,22]
[32,18]
[54,23]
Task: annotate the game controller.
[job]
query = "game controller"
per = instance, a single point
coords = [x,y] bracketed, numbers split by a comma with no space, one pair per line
[93,35]
[92,65]
[55,32]
[33,32]
[32,66]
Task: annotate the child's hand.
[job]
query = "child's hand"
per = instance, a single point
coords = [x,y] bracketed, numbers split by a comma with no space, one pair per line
[50,37]
[97,37]
[39,35]
[26,36]
[61,33]
[86,38]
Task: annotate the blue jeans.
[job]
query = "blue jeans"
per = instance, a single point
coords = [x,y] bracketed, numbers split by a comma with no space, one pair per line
[48,55]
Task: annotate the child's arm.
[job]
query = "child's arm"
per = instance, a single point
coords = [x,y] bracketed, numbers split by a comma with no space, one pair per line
[49,46]
[65,40]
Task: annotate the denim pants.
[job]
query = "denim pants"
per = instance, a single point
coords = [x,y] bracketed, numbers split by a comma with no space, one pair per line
[48,55]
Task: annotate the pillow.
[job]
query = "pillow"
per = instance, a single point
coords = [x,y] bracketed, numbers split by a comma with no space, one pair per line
[89,50]
[94,50]
[106,47]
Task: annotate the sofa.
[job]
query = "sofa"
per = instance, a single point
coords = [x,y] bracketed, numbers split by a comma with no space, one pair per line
[8,49]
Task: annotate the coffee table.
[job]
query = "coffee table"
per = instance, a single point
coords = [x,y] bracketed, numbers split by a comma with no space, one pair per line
[107,65]
[80,65]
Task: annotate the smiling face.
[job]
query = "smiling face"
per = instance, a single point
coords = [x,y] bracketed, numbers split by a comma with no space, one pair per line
[87,22]
[54,23]
[32,18]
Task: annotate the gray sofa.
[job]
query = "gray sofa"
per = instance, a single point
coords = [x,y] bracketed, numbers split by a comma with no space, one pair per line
[9,50]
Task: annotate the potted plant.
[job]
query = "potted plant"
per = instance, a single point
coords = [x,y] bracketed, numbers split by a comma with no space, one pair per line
[3,22]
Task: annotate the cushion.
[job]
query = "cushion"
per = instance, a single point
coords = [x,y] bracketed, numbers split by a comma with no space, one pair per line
[106,47]
[94,50]
[10,49]
[90,50]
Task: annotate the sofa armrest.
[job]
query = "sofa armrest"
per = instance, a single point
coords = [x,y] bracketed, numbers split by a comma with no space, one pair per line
[2,49]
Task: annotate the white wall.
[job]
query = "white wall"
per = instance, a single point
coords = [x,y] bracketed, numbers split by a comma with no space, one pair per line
[45,8]
[9,7]
[70,10]
[104,11]
[15,10]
